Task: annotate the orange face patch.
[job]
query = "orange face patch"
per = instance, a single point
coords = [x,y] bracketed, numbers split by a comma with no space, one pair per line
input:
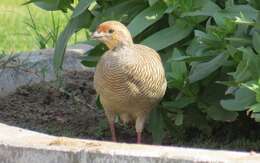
[103,28]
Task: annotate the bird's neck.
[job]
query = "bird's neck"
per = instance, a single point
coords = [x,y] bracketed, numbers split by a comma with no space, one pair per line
[115,43]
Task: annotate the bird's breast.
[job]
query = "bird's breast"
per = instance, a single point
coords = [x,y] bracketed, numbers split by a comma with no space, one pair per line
[110,77]
[129,74]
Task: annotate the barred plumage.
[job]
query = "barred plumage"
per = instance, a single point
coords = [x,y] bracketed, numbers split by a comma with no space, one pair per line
[129,78]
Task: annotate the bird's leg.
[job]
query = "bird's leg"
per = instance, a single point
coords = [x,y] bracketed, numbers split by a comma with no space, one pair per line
[139,125]
[113,131]
[139,137]
[111,121]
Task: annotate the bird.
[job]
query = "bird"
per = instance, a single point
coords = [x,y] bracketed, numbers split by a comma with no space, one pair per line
[129,78]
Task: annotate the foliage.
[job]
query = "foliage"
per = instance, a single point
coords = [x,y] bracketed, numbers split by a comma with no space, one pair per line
[210,50]
[43,38]
[18,33]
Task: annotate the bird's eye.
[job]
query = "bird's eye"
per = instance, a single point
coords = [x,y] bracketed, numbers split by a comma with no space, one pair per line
[110,31]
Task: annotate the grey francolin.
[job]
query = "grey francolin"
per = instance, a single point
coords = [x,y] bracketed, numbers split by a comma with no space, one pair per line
[129,78]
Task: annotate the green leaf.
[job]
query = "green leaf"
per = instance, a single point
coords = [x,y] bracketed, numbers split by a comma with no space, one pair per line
[168,36]
[176,71]
[81,7]
[146,18]
[91,57]
[152,2]
[255,108]
[243,98]
[31,1]
[73,26]
[202,70]
[194,58]
[208,9]
[242,70]
[98,103]
[235,11]
[248,67]
[52,5]
[254,86]
[178,104]
[219,114]
[179,119]
[255,112]
[90,61]
[196,48]
[122,12]
[256,42]
[156,125]
[47,4]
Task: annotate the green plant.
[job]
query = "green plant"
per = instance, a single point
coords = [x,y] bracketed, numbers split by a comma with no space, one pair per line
[210,49]
[43,35]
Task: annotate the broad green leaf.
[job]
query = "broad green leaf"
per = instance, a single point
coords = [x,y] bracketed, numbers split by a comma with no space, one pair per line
[91,57]
[254,86]
[242,72]
[179,68]
[248,67]
[156,125]
[31,1]
[208,9]
[52,5]
[73,25]
[243,99]
[256,42]
[176,71]
[235,11]
[81,7]
[48,4]
[178,104]
[194,58]
[90,61]
[255,108]
[219,114]
[202,70]
[239,41]
[196,48]
[168,36]
[122,12]
[213,39]
[146,18]
[152,2]
[255,112]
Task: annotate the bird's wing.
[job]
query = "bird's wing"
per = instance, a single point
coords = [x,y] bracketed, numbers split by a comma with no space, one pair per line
[146,76]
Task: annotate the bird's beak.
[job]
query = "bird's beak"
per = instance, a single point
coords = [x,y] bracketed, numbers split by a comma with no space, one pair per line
[97,35]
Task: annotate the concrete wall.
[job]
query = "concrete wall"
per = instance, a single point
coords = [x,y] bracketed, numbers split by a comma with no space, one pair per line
[22,146]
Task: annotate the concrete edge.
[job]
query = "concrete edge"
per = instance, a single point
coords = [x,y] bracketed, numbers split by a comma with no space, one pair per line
[22,146]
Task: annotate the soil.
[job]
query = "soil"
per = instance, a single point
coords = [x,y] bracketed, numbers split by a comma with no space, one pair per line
[72,112]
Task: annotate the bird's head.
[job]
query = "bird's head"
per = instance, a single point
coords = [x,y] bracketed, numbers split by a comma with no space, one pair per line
[113,34]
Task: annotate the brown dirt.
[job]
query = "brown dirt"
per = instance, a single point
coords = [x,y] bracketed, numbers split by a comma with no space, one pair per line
[70,111]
